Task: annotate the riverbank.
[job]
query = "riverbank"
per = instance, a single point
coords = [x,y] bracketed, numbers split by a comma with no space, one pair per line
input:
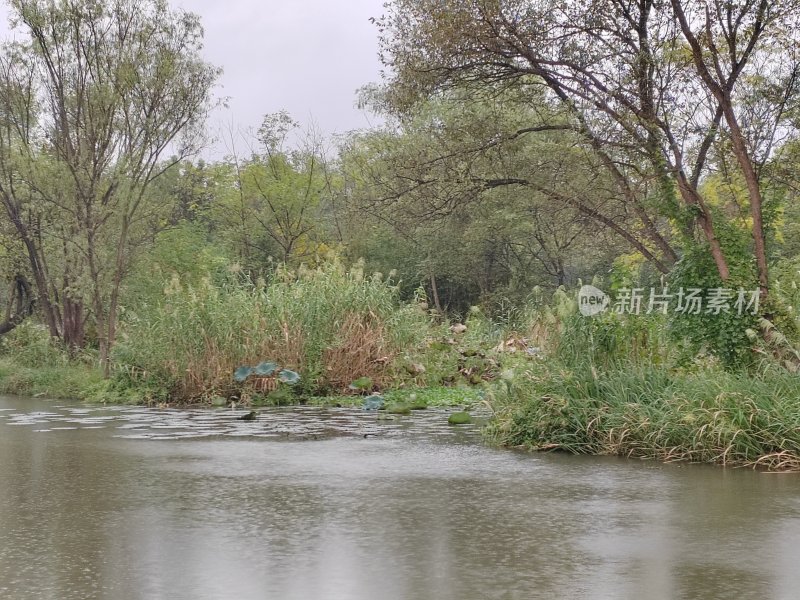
[654,413]
[84,383]
[69,381]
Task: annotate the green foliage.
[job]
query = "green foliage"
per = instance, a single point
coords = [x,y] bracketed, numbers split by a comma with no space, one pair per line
[131,69]
[74,381]
[610,340]
[30,345]
[289,377]
[478,244]
[654,413]
[725,335]
[265,369]
[184,251]
[459,418]
[329,324]
[361,384]
[374,402]
[242,373]
[283,396]
[435,396]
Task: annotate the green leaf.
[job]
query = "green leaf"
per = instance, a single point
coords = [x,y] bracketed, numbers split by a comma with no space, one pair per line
[242,373]
[374,402]
[288,377]
[265,369]
[459,418]
[362,383]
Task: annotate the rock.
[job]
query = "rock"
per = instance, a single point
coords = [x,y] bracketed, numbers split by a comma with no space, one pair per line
[459,418]
[251,416]
[398,409]
[415,369]
[458,328]
[373,402]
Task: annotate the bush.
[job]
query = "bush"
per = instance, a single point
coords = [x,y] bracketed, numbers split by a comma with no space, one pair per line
[330,324]
[63,381]
[30,345]
[715,417]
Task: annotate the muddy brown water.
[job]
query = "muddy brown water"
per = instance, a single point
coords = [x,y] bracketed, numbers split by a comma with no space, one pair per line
[130,503]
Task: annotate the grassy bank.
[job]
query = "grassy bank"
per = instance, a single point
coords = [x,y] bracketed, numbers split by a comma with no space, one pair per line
[330,325]
[555,380]
[64,381]
[82,382]
[713,417]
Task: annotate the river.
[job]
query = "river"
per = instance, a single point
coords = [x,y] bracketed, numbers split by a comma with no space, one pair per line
[306,503]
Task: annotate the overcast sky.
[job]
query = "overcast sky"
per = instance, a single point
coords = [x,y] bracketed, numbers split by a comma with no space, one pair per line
[306,56]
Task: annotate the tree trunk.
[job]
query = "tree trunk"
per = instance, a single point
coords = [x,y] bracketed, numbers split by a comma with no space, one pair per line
[756,199]
[73,324]
[97,303]
[21,305]
[706,222]
[435,293]
[721,90]
[113,308]
[42,288]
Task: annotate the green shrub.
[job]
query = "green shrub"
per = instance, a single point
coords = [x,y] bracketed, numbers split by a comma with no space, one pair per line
[65,381]
[330,324]
[716,416]
[30,345]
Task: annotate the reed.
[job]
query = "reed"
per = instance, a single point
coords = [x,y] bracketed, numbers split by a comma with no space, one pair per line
[718,417]
[331,324]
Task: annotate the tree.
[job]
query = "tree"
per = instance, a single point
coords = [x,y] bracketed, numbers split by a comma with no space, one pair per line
[645,92]
[94,100]
[433,191]
[724,37]
[17,300]
[272,208]
[19,306]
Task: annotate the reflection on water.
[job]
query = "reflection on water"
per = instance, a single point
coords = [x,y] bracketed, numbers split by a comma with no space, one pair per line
[135,503]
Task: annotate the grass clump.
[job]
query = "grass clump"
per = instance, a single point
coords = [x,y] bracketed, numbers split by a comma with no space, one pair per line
[459,418]
[62,382]
[33,364]
[435,397]
[720,417]
[333,326]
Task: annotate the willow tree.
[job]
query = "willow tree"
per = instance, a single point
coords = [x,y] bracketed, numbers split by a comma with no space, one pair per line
[99,93]
[656,89]
[440,178]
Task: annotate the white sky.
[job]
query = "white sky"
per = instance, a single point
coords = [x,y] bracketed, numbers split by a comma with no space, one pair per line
[306,56]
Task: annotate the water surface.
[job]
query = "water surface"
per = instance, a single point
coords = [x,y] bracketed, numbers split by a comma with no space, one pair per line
[129,503]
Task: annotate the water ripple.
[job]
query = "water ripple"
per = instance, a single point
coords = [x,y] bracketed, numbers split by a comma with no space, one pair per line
[307,423]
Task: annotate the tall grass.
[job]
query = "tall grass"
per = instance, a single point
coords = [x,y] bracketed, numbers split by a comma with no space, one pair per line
[30,345]
[331,324]
[716,417]
[605,341]
[627,385]
[67,381]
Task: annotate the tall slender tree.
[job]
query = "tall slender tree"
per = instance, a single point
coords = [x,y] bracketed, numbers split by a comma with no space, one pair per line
[99,94]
